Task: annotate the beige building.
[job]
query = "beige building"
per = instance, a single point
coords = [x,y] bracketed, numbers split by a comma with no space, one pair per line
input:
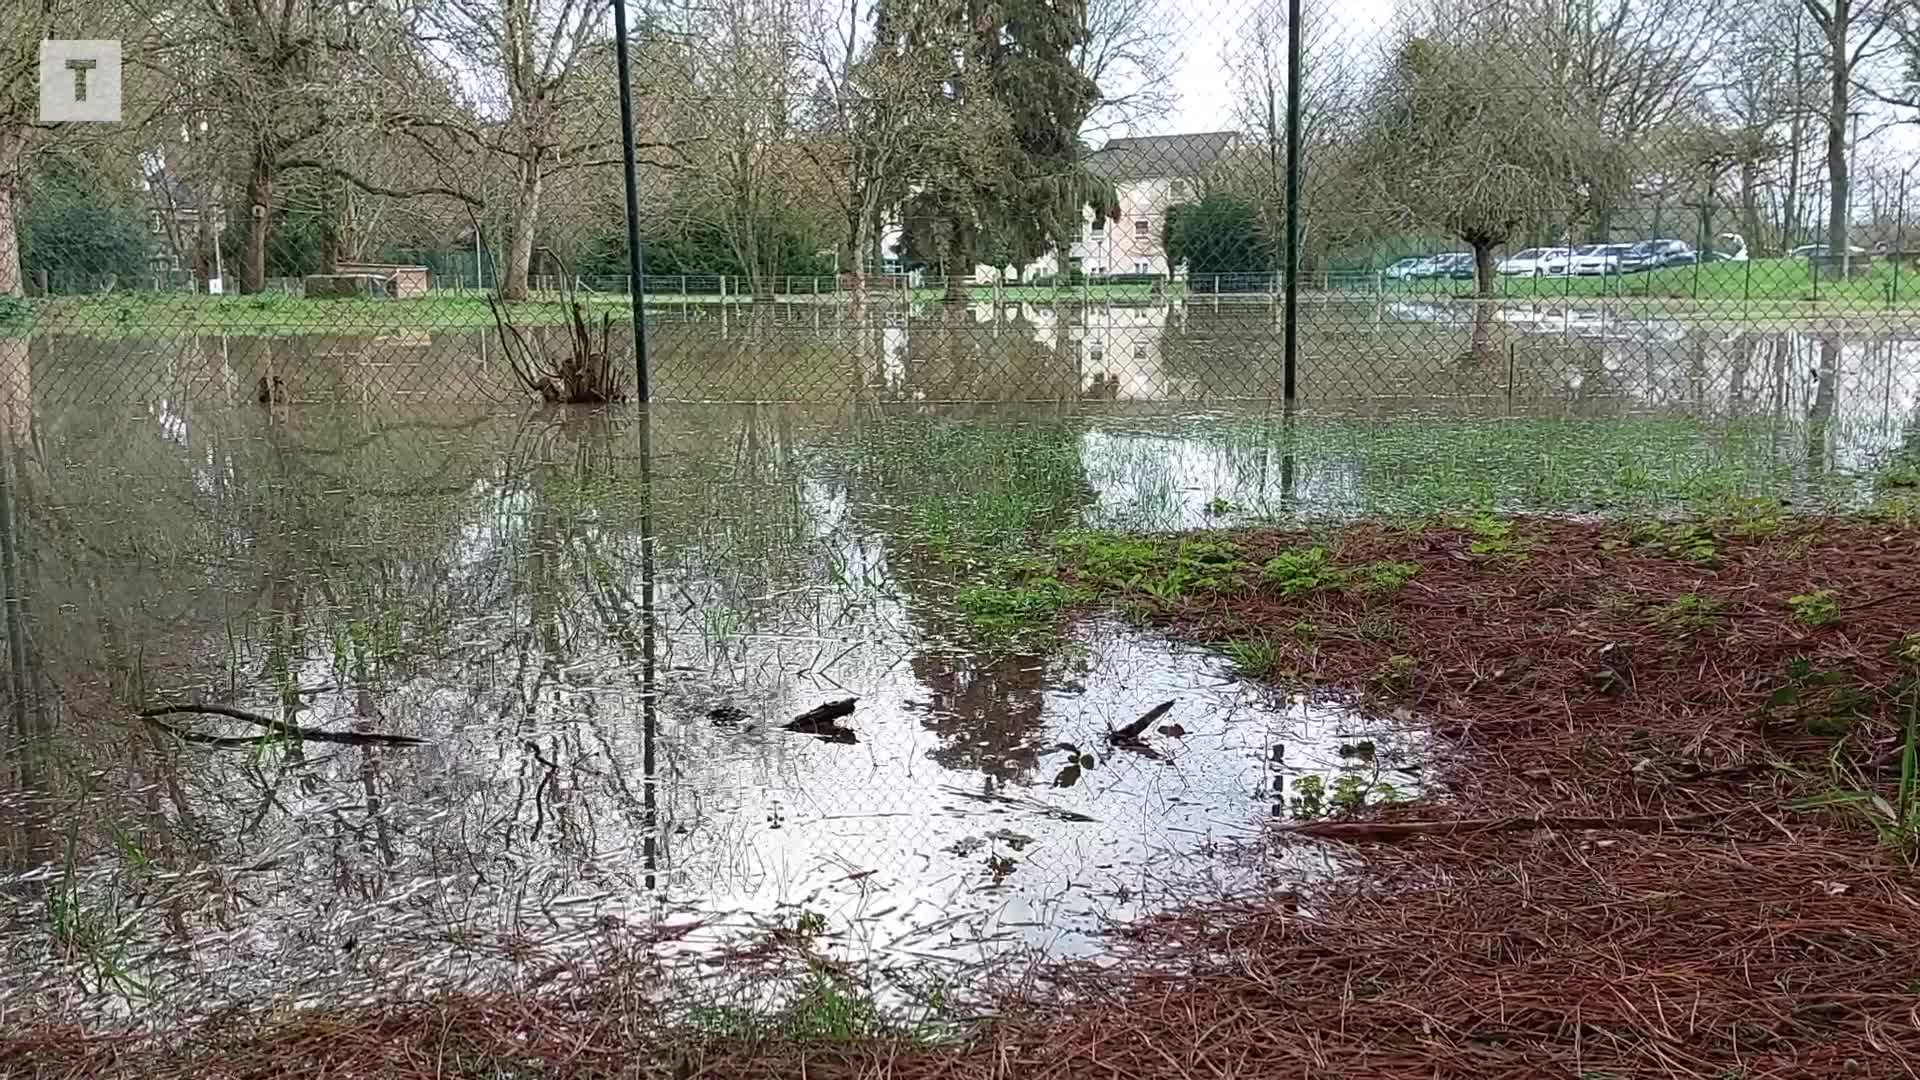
[1150,173]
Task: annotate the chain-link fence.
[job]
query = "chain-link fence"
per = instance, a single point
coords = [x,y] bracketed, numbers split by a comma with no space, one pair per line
[920,281]
[1515,207]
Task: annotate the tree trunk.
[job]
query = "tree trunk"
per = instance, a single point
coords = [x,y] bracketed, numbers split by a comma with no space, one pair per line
[1749,204]
[1796,141]
[1483,270]
[526,216]
[253,272]
[1837,201]
[956,278]
[13,143]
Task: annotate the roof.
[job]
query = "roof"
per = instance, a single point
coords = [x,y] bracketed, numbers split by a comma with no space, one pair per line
[1154,157]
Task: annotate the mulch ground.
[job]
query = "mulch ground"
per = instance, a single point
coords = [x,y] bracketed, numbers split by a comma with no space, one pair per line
[1718,928]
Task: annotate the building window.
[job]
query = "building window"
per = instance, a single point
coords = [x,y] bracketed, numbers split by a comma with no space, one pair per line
[1142,228]
[1139,354]
[1099,226]
[1142,266]
[1096,354]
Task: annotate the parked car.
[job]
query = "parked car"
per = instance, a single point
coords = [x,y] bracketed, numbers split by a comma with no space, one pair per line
[1599,258]
[1654,254]
[1454,264]
[1811,251]
[1404,268]
[1533,262]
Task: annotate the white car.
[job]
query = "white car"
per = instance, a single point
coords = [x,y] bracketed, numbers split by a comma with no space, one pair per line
[1599,258]
[1534,262]
[1404,268]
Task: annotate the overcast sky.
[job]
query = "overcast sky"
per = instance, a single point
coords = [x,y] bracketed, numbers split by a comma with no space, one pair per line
[1353,27]
[1201,80]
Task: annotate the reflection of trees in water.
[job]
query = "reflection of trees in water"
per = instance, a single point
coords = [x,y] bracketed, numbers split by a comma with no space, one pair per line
[986,711]
[985,707]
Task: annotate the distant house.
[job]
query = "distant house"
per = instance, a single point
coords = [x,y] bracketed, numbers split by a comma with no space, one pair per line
[1150,173]
[174,213]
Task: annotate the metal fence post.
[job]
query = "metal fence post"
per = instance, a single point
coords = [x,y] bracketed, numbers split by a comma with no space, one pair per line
[636,294]
[1291,331]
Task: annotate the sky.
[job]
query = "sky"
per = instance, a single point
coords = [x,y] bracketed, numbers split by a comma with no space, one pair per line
[1201,81]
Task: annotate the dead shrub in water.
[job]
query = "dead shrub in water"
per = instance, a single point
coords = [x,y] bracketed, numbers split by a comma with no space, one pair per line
[583,376]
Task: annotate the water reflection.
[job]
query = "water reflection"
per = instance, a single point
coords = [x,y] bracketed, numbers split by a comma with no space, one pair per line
[1382,356]
[492,585]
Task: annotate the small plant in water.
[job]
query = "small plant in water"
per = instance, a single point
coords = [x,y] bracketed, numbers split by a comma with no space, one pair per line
[1309,796]
[1220,507]
[1816,608]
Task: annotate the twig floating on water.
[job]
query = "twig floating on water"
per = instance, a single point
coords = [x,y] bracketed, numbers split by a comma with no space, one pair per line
[349,738]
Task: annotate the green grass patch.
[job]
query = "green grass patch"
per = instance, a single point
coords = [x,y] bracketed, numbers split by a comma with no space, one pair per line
[1816,608]
[1298,571]
[1687,613]
[1254,658]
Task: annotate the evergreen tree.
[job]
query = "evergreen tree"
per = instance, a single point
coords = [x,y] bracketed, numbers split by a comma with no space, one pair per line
[1006,170]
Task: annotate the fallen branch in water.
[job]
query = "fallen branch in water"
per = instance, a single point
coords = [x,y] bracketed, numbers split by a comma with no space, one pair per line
[823,721]
[1132,732]
[281,728]
[1403,830]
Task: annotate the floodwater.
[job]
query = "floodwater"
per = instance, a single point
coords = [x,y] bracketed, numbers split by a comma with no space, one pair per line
[597,626]
[600,682]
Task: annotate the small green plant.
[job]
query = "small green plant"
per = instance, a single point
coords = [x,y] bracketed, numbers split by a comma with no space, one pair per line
[1309,796]
[1298,571]
[1350,793]
[1253,657]
[1386,577]
[1494,539]
[1686,614]
[1013,614]
[1394,674]
[1376,626]
[14,310]
[1220,507]
[1892,479]
[810,924]
[1816,608]
[1305,630]
[1678,540]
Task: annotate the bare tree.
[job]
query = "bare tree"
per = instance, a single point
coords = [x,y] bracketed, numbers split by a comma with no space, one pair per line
[743,66]
[868,118]
[1129,54]
[1851,33]
[528,88]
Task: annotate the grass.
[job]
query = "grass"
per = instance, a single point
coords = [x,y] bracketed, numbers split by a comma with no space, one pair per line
[1687,613]
[1254,658]
[1769,281]
[1816,608]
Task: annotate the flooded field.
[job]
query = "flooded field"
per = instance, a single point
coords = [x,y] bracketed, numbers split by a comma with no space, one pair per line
[598,628]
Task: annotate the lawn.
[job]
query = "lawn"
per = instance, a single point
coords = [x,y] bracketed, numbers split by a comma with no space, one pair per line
[1758,281]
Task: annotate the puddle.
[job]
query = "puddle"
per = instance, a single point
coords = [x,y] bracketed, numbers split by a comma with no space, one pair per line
[483,583]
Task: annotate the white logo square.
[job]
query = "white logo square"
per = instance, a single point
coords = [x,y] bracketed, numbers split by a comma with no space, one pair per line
[80,81]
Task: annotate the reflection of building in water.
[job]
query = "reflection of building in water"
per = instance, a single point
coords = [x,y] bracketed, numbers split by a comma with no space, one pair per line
[1120,349]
